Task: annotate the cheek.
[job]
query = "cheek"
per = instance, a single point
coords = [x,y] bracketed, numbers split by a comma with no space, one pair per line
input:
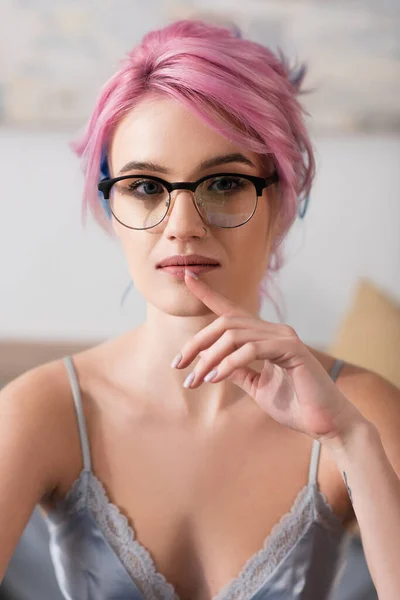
[251,248]
[263,233]
[134,248]
[249,251]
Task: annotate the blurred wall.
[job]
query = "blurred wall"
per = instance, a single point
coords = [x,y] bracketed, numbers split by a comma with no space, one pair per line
[59,280]
[54,56]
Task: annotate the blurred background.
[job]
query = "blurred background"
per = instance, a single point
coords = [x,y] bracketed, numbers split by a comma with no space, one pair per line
[61,283]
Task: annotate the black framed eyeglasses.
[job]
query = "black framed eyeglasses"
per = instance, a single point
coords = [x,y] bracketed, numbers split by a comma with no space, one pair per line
[225,200]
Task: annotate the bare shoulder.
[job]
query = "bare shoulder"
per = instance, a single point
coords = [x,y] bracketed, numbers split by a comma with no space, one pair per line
[377,399]
[35,417]
[38,424]
[327,361]
[35,409]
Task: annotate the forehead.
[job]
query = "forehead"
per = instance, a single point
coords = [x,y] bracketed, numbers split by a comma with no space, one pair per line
[164,131]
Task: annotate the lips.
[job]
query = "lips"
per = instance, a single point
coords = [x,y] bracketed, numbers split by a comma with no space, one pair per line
[178,271]
[187,261]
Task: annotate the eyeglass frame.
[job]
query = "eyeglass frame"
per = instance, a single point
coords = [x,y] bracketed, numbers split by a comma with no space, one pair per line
[260,183]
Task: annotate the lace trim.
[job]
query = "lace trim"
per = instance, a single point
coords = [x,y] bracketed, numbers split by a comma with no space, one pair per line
[135,558]
[283,536]
[89,491]
[332,525]
[75,499]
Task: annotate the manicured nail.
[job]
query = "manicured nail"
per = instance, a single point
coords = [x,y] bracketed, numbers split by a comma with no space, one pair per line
[211,375]
[176,360]
[191,274]
[189,380]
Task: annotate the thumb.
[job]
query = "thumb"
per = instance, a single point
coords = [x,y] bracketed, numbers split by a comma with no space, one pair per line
[245,378]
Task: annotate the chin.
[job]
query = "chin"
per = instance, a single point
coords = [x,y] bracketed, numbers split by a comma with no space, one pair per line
[177,303]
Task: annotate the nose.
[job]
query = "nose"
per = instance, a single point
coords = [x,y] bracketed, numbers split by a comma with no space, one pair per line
[183,221]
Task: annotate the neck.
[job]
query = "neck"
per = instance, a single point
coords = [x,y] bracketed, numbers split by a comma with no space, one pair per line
[161,338]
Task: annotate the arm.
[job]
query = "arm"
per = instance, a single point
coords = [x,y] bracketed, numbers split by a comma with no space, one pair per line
[30,450]
[372,479]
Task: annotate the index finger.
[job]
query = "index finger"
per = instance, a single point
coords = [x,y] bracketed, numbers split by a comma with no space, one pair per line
[214,300]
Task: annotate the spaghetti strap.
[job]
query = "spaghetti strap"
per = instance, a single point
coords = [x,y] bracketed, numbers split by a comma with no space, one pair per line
[316,447]
[73,379]
[336,368]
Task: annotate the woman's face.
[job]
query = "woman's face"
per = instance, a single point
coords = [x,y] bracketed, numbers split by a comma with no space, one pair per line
[165,133]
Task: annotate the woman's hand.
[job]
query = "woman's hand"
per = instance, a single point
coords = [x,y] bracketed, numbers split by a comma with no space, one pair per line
[293,387]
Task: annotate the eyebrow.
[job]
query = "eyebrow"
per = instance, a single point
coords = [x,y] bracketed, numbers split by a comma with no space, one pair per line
[205,164]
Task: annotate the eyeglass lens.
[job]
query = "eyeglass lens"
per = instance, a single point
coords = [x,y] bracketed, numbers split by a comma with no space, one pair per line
[225,201]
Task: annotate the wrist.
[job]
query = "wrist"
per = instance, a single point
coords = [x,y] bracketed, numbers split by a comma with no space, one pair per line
[355,428]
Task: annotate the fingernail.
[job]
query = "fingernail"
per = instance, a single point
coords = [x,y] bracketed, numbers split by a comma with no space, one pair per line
[211,375]
[189,380]
[191,274]
[176,360]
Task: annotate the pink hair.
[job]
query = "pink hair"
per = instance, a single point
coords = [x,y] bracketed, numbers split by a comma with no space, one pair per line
[238,87]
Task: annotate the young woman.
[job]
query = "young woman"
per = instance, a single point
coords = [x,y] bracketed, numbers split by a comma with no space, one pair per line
[206,453]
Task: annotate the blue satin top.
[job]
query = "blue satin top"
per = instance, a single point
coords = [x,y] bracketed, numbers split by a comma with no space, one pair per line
[96,555]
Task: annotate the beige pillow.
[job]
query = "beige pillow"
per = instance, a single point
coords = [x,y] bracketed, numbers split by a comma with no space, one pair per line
[369,334]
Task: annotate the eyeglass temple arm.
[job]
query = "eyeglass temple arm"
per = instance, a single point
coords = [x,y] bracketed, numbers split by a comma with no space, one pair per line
[274,178]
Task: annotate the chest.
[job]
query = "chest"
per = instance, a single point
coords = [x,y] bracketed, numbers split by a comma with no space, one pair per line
[202,505]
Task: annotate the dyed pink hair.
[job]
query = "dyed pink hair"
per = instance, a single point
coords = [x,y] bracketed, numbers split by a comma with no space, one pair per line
[238,87]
